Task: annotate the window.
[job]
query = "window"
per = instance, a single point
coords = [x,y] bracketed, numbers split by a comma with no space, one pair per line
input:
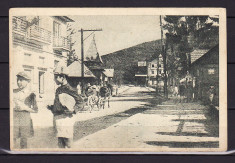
[41,60]
[27,57]
[141,63]
[152,72]
[41,82]
[198,72]
[211,71]
[56,29]
[152,65]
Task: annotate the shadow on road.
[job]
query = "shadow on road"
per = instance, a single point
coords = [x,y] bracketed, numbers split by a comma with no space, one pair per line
[85,128]
[175,144]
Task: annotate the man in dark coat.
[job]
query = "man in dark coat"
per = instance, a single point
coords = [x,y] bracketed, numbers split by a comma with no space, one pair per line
[181,92]
[67,102]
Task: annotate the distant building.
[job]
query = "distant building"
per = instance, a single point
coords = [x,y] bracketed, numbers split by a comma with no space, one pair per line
[205,73]
[75,74]
[197,53]
[150,73]
[141,74]
[94,62]
[39,43]
[108,75]
[155,72]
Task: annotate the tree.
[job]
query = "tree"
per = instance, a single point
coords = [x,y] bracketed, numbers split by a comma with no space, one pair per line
[183,35]
[71,55]
[129,74]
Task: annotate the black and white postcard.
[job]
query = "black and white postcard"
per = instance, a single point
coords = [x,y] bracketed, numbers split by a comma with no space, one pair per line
[118,79]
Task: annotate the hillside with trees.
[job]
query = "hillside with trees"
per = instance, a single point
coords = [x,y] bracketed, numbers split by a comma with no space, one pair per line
[124,62]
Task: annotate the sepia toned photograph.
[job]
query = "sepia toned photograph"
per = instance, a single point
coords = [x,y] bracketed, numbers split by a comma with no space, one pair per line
[118,79]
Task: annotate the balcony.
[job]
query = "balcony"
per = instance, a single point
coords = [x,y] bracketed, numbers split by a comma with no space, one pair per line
[39,35]
[61,44]
[32,33]
[19,26]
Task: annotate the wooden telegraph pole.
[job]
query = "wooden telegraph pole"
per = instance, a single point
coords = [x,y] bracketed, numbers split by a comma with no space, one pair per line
[82,54]
[157,89]
[164,53]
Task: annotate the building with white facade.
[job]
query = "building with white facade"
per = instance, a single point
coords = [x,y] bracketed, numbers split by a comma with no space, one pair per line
[155,69]
[150,73]
[38,44]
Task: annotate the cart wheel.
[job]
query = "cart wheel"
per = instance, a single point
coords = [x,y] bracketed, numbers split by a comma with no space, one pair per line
[90,104]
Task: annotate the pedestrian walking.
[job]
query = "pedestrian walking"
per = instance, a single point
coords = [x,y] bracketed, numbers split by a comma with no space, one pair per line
[117,89]
[176,91]
[182,92]
[79,91]
[105,93]
[67,102]
[213,109]
[211,94]
[89,91]
[110,88]
[24,103]
[189,91]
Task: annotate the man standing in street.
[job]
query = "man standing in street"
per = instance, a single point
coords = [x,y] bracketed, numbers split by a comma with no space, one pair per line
[182,92]
[79,91]
[67,102]
[24,103]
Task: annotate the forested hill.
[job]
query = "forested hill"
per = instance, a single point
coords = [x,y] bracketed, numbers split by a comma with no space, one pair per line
[124,62]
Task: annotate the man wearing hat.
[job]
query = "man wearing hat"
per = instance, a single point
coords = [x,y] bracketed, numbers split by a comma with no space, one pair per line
[24,103]
[66,103]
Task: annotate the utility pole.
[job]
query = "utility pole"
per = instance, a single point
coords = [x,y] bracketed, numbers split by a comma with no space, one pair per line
[165,72]
[164,53]
[82,54]
[82,45]
[157,90]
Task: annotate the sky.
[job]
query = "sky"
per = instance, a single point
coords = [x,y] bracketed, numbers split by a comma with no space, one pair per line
[118,32]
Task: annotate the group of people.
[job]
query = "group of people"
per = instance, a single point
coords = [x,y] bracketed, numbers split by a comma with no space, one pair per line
[97,95]
[68,101]
[97,90]
[189,93]
[183,92]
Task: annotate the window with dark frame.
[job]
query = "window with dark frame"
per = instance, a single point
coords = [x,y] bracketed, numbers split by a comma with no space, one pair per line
[56,29]
[41,82]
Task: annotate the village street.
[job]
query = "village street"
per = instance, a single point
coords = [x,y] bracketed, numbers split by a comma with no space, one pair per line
[137,118]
